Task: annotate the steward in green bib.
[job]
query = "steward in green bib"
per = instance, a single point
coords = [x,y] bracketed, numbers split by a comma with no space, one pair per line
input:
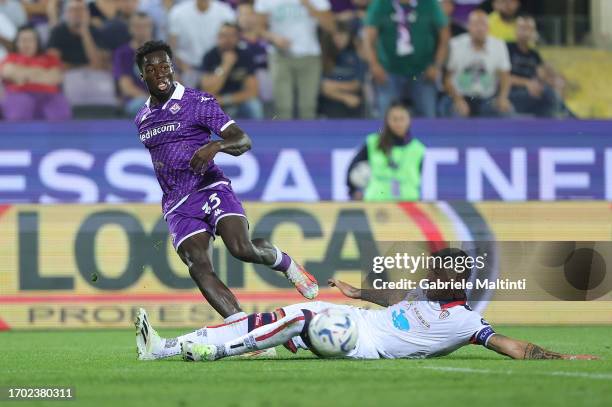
[388,166]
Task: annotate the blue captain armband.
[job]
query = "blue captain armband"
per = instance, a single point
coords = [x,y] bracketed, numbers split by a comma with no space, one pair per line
[482,337]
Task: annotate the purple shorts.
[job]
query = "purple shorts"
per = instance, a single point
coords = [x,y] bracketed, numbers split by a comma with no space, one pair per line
[200,211]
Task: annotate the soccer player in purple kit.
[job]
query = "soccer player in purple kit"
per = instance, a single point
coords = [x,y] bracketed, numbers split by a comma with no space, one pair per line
[175,125]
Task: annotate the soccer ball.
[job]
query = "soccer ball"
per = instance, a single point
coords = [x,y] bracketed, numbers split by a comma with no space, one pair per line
[333,332]
[360,174]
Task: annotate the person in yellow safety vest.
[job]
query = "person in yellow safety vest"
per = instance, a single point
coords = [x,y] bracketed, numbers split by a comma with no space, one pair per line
[388,166]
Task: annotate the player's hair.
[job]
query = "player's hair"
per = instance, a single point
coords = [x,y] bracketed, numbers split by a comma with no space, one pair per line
[148,48]
[386,135]
[451,294]
[454,253]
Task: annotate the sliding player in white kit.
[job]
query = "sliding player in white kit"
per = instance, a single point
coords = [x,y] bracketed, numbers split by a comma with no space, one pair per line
[419,324]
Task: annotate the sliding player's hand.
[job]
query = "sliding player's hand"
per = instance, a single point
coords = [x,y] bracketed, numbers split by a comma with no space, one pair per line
[204,155]
[346,289]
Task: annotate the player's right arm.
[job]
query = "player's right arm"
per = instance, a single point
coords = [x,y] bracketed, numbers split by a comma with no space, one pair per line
[517,349]
[380,297]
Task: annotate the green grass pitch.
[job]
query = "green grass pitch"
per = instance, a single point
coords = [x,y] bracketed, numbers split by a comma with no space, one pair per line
[102,367]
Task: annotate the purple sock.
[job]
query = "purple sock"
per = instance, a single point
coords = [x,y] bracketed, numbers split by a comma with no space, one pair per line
[283,264]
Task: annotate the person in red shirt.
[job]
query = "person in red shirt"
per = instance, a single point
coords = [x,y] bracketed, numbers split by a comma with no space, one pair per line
[32,81]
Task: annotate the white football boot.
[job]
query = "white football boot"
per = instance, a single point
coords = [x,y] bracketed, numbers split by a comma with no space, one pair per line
[148,341]
[303,281]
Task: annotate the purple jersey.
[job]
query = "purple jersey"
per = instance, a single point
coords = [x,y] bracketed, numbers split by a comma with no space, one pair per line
[172,133]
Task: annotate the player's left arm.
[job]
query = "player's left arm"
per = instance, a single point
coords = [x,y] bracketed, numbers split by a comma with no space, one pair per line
[234,141]
[517,349]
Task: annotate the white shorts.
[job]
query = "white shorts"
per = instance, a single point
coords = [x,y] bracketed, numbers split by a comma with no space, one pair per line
[365,348]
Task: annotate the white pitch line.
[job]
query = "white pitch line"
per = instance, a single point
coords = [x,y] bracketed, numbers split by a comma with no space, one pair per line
[600,376]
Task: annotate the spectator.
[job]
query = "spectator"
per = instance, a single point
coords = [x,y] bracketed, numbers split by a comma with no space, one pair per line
[115,31]
[234,3]
[193,27]
[131,87]
[502,20]
[54,12]
[251,34]
[530,94]
[258,46]
[87,77]
[406,44]
[449,9]
[14,10]
[229,74]
[343,72]
[158,10]
[8,31]
[463,8]
[388,167]
[12,15]
[102,11]
[36,10]
[32,79]
[295,62]
[344,10]
[361,7]
[478,73]
[74,40]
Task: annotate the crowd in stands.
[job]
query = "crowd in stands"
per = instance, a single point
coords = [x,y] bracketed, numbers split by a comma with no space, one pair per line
[278,58]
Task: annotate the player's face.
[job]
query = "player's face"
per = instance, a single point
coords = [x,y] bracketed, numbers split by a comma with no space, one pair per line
[158,73]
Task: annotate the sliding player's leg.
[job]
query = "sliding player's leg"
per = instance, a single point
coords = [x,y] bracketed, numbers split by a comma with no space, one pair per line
[264,337]
[235,234]
[152,346]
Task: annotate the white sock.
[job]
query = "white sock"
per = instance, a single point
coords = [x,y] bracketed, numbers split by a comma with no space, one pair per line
[279,257]
[267,336]
[235,317]
[216,335]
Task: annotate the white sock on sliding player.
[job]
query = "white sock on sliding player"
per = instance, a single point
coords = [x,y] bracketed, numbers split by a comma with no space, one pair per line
[266,336]
[217,334]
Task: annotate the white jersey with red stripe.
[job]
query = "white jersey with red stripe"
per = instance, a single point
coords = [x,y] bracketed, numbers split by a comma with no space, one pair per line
[412,328]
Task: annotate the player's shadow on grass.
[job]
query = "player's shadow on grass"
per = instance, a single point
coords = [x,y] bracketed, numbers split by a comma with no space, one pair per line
[314,358]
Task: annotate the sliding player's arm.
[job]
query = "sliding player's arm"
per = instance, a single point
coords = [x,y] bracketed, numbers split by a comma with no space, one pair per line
[380,297]
[517,349]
